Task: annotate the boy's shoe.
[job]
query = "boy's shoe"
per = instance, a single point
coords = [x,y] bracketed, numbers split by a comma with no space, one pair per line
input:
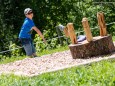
[35,56]
[30,56]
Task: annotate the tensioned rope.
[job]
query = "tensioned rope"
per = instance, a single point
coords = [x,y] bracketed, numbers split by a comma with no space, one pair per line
[53,38]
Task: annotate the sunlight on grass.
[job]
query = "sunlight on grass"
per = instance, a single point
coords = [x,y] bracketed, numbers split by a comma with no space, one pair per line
[63,48]
[113,37]
[11,59]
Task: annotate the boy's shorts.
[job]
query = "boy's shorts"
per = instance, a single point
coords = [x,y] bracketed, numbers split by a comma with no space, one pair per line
[28,46]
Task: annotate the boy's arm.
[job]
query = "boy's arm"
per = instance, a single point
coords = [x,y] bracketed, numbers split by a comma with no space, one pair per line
[39,33]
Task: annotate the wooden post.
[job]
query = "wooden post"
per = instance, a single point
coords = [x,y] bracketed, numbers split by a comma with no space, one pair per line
[87,29]
[59,34]
[71,33]
[101,23]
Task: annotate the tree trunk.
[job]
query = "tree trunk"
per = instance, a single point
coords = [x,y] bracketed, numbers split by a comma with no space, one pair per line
[99,46]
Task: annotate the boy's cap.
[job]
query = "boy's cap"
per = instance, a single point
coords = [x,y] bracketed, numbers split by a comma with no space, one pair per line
[27,10]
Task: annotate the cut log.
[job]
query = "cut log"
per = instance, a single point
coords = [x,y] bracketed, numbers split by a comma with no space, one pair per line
[99,46]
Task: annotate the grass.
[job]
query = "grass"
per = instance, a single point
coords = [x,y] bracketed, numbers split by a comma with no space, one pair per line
[113,38]
[63,48]
[5,60]
[95,74]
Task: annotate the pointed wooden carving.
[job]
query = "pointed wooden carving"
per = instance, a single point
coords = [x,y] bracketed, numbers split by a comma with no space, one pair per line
[101,23]
[71,33]
[87,29]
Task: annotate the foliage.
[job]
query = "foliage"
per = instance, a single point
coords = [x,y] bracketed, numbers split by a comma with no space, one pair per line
[48,14]
[51,42]
[15,50]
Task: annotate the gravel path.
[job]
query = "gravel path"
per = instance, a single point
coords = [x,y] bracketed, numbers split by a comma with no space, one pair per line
[47,63]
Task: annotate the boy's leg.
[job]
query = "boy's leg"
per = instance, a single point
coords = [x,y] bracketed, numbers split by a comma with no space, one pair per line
[28,50]
[33,50]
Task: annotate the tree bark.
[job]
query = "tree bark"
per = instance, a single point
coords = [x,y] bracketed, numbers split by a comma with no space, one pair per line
[99,46]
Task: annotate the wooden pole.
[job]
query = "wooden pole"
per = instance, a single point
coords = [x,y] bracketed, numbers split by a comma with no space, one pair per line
[59,34]
[87,29]
[71,33]
[101,23]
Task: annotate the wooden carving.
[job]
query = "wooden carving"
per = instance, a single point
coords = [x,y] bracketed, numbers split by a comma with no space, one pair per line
[71,33]
[101,23]
[87,29]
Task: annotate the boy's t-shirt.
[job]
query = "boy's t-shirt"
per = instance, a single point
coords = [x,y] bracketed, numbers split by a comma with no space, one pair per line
[26,27]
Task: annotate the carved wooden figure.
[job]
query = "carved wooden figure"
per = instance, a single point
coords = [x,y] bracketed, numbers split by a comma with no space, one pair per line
[71,33]
[87,29]
[101,23]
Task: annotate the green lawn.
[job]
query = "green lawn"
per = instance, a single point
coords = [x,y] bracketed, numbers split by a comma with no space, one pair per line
[95,74]
[113,38]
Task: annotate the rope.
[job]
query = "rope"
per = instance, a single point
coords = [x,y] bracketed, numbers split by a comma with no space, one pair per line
[51,39]
[10,50]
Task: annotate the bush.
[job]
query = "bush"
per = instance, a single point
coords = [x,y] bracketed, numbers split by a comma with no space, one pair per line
[51,42]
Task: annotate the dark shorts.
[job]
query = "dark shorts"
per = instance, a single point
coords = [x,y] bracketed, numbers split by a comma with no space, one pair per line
[28,46]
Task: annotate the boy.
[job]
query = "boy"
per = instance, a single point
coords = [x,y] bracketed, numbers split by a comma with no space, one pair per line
[25,33]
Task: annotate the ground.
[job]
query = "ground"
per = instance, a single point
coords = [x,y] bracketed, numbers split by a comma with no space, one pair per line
[47,63]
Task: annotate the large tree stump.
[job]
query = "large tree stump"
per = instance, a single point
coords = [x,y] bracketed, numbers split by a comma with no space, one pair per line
[98,46]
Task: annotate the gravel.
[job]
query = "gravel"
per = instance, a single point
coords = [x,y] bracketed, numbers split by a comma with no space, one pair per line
[47,63]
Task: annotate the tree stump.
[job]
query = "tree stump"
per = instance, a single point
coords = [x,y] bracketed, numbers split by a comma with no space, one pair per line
[98,46]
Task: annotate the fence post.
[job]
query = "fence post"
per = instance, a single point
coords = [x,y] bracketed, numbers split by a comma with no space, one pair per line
[59,34]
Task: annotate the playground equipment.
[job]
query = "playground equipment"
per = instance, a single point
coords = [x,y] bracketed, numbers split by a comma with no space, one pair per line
[92,46]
